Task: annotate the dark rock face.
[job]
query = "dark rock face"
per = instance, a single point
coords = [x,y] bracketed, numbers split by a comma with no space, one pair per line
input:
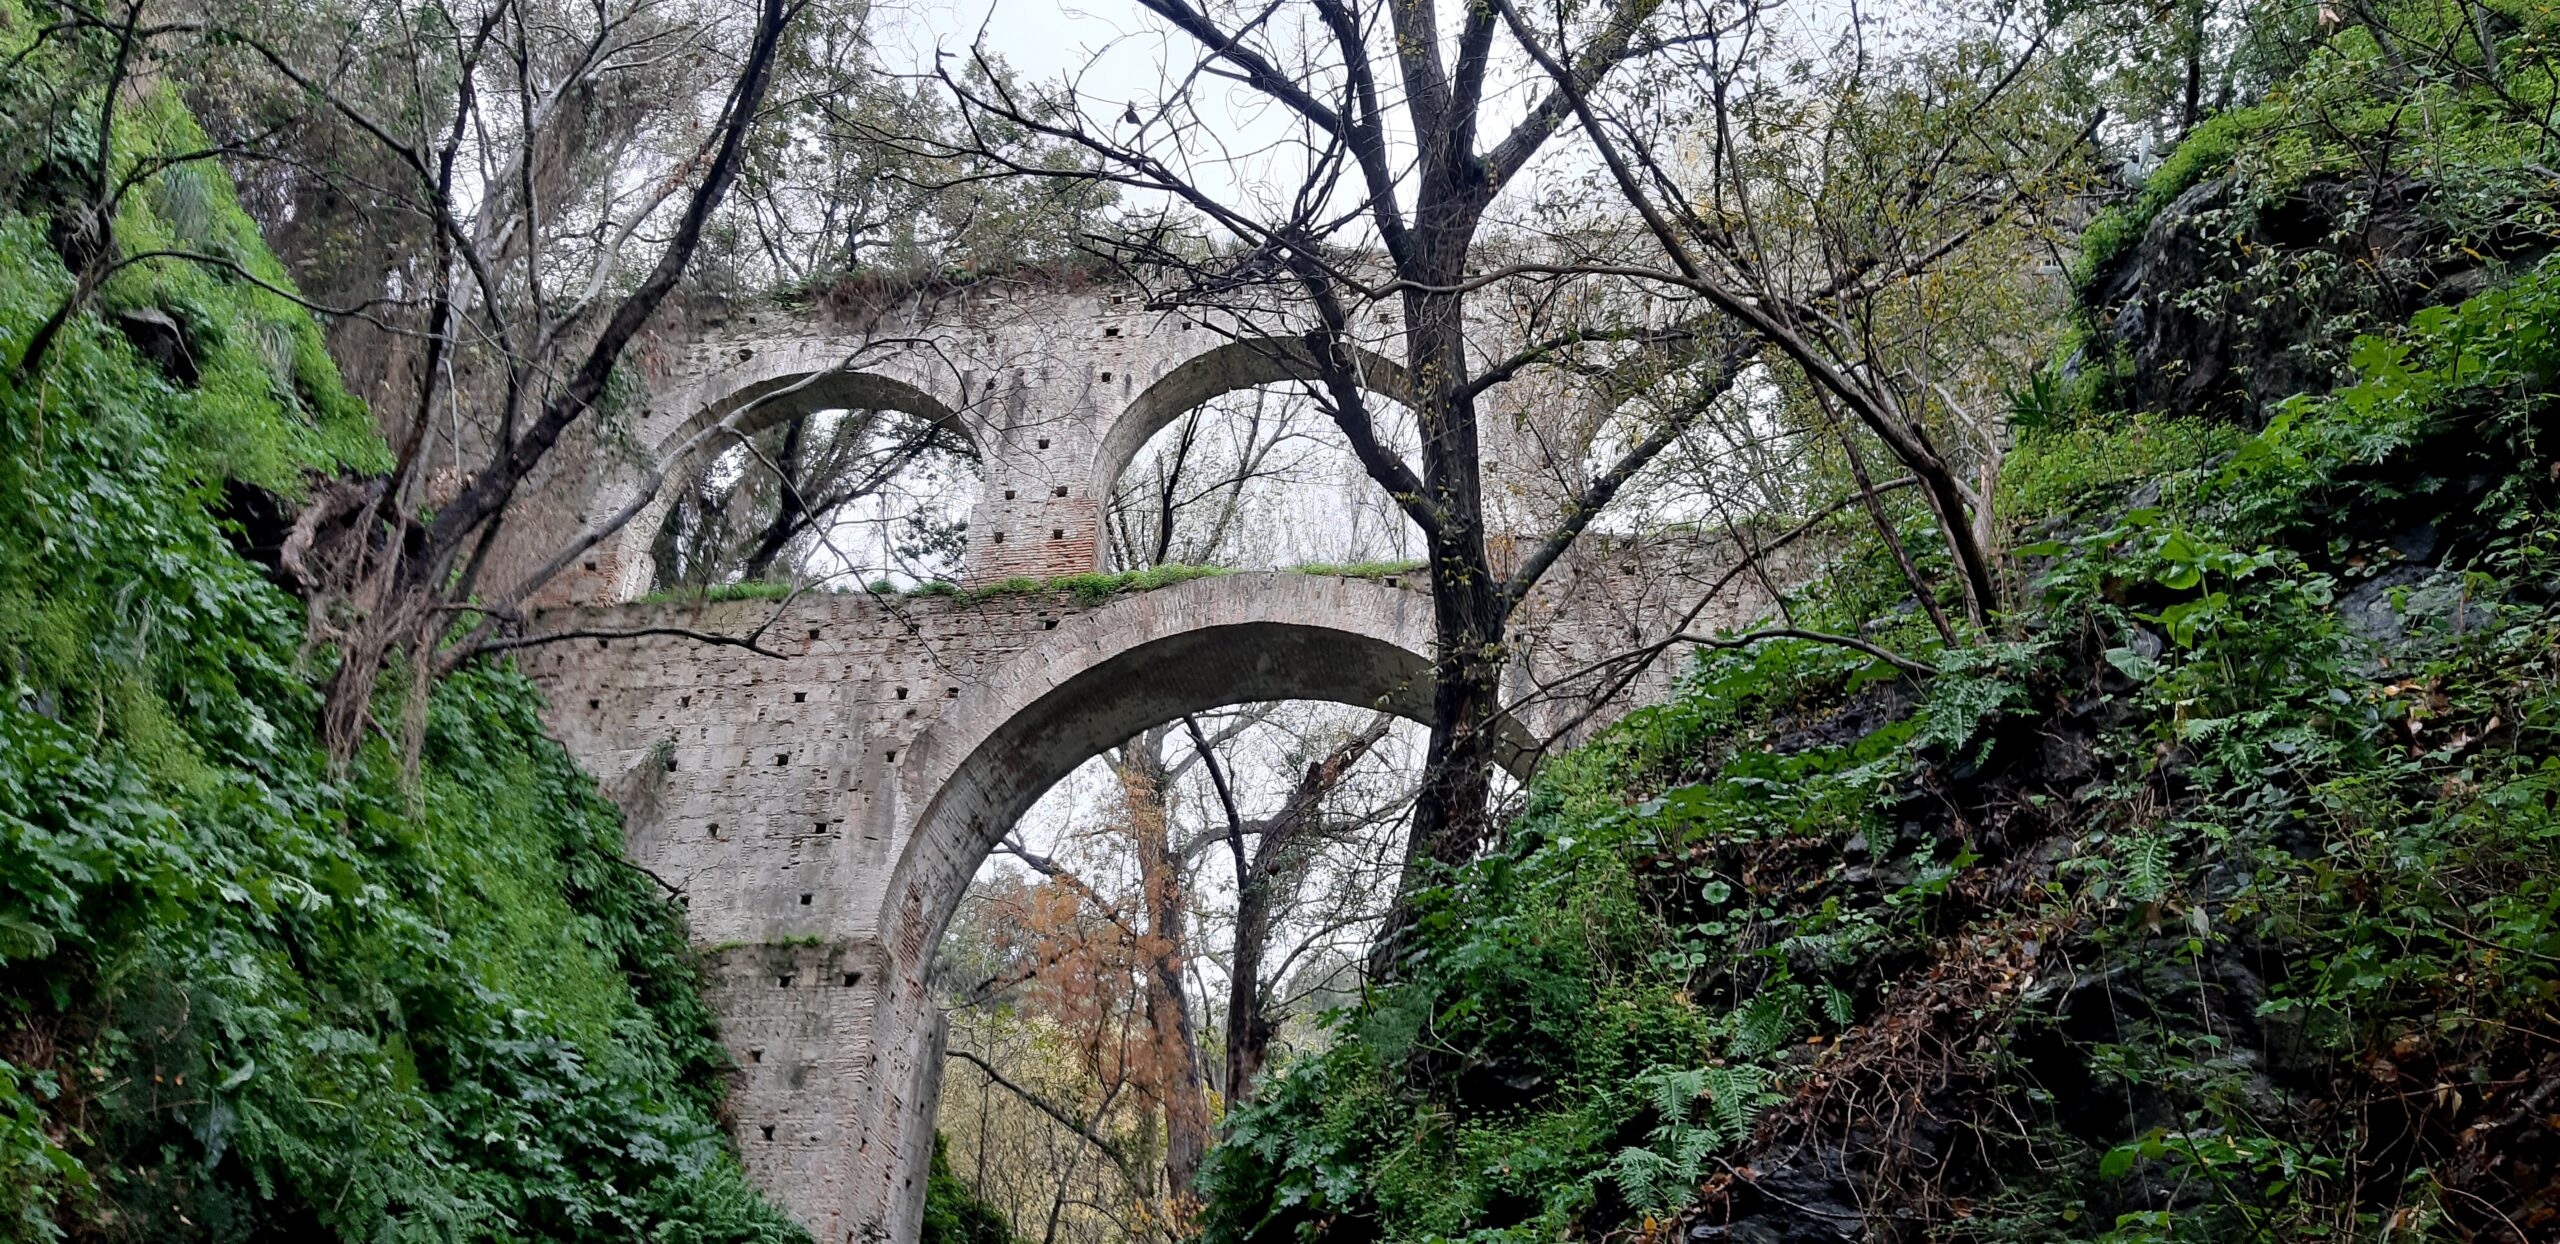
[157,337]
[1807,1199]
[2232,302]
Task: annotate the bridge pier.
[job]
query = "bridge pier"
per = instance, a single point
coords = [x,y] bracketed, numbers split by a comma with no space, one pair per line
[821,814]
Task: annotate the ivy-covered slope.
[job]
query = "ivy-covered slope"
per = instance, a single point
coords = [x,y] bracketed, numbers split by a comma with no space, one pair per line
[2216,897]
[243,997]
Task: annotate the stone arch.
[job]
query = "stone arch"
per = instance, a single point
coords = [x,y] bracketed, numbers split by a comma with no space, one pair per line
[1138,662]
[804,391]
[1223,369]
[1102,677]
[771,386]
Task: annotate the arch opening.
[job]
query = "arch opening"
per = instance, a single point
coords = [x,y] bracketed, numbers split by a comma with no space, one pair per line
[1191,671]
[1188,649]
[813,477]
[1148,659]
[1227,368]
[1260,478]
[1118,909]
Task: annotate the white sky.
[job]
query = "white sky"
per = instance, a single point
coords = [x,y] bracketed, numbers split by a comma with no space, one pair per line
[1117,55]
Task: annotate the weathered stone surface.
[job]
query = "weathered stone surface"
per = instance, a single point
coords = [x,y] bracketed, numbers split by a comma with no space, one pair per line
[821,812]
[1057,390]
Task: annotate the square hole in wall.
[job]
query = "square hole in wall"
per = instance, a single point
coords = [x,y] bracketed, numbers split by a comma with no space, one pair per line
[1111,331]
[902,693]
[893,758]
[1057,533]
[715,829]
[783,981]
[755,1056]
[1059,491]
[671,764]
[804,899]
[1008,494]
[1048,624]
[852,979]
[782,758]
[999,537]
[799,697]
[954,694]
[813,632]
[1106,377]
[684,701]
[1044,442]
[767,1129]
[595,704]
[685,901]
[590,565]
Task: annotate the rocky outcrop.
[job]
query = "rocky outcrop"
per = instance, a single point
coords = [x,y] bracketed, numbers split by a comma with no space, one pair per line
[2238,296]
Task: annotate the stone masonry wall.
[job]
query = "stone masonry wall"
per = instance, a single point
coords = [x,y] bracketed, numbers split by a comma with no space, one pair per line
[779,796]
[819,801]
[819,792]
[1056,389]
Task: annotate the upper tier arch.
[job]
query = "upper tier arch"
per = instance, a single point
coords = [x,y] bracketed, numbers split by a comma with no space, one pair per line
[1056,390]
[1222,369]
[776,398]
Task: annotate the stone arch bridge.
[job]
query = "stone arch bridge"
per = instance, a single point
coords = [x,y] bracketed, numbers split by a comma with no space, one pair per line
[820,804]
[1056,391]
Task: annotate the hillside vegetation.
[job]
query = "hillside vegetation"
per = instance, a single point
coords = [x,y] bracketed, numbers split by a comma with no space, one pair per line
[244,996]
[2214,898]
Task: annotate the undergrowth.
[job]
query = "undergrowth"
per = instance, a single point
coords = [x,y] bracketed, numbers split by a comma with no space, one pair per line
[244,996]
[2215,897]
[1091,589]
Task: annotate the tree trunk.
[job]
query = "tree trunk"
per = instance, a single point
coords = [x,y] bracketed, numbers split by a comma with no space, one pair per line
[1248,1015]
[1452,807]
[790,511]
[1175,1041]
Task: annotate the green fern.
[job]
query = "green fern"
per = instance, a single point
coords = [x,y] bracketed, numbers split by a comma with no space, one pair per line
[1768,1022]
[1657,1176]
[2148,858]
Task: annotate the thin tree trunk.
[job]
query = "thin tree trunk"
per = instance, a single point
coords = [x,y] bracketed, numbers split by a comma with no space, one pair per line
[1175,1039]
[790,508]
[1249,1025]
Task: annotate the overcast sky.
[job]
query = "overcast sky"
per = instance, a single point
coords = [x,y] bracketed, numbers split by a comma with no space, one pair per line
[1118,56]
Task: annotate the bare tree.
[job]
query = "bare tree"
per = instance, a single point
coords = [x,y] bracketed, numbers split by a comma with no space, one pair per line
[1827,211]
[770,505]
[1393,178]
[563,164]
[1265,852]
[1117,945]
[511,196]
